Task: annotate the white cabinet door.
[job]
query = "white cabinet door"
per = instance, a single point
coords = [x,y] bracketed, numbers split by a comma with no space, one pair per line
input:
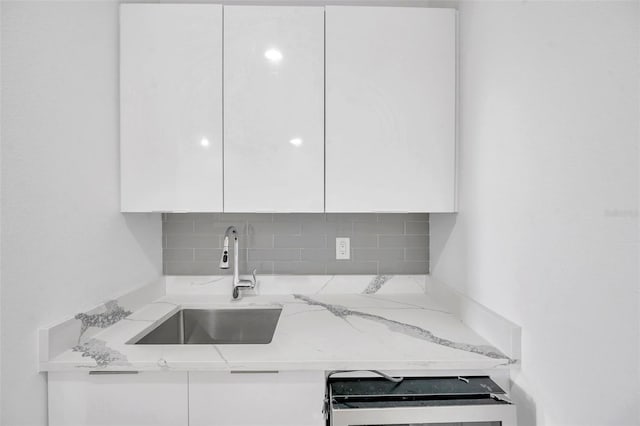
[256,399]
[273,109]
[153,399]
[171,107]
[391,108]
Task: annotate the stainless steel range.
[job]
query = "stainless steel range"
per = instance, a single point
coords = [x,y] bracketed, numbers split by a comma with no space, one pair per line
[416,401]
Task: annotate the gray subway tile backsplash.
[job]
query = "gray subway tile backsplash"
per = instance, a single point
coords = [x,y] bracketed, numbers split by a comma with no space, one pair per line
[193,241]
[298,243]
[177,255]
[299,268]
[355,267]
[378,228]
[318,255]
[403,241]
[378,254]
[364,241]
[282,254]
[176,227]
[416,228]
[416,254]
[191,268]
[402,267]
[263,267]
[260,240]
[276,228]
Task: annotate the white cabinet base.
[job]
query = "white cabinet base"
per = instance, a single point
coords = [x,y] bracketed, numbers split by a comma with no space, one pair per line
[143,399]
[256,399]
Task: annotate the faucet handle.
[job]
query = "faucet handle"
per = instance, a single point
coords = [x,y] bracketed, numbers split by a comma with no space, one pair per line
[244,284]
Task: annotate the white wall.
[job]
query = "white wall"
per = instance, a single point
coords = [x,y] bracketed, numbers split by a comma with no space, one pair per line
[547,233]
[0,214]
[65,246]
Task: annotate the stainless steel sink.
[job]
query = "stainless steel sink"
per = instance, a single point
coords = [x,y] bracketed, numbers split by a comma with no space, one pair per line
[215,326]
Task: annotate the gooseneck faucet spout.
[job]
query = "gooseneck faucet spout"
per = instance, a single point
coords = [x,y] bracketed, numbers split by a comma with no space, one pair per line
[224,262]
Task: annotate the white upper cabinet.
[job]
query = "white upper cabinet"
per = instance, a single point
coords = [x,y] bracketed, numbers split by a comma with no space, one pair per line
[389,97]
[171,107]
[391,108]
[273,109]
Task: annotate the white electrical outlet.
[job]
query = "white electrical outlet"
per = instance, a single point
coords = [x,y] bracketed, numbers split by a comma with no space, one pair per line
[343,248]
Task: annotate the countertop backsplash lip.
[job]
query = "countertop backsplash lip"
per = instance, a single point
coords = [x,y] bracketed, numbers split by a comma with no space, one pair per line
[374,308]
[500,331]
[300,284]
[60,336]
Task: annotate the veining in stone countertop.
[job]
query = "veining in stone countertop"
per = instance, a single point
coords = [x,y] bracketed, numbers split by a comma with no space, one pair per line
[389,324]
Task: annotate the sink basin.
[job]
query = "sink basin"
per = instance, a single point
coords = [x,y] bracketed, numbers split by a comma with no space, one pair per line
[215,326]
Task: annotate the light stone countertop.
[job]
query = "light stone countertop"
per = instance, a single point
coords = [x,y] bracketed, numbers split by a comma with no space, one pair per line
[387,323]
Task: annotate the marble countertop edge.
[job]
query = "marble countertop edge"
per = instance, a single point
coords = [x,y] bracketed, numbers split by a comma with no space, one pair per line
[377,322]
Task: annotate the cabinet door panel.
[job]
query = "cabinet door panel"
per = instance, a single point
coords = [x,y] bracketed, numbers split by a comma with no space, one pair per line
[390,105]
[171,107]
[145,399]
[250,399]
[273,109]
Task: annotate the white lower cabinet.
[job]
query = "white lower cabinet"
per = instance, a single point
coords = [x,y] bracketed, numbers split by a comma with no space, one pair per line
[186,399]
[292,398]
[256,399]
[147,398]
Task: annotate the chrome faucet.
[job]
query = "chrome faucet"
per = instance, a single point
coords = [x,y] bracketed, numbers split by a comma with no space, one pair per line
[224,263]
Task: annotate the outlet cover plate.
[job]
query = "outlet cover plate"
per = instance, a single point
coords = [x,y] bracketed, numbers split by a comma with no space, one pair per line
[343,248]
